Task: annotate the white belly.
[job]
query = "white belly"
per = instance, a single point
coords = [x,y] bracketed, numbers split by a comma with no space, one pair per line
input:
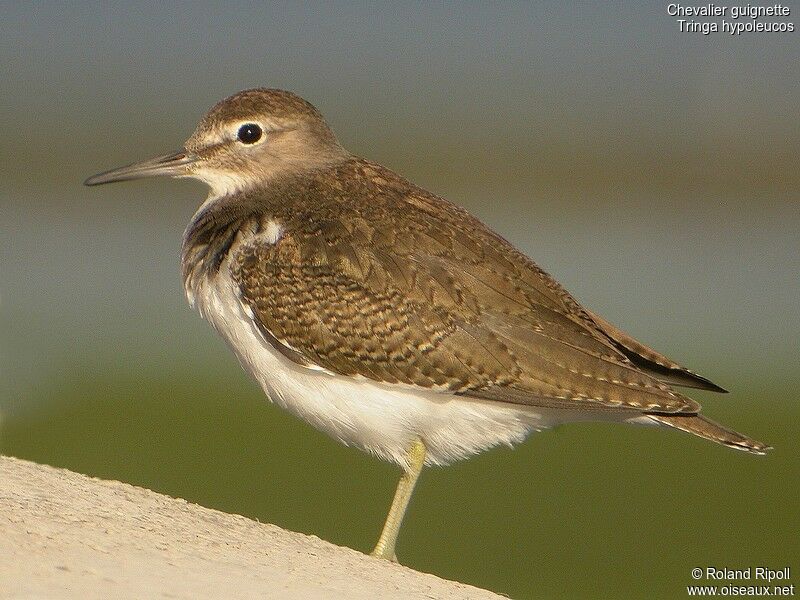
[383,419]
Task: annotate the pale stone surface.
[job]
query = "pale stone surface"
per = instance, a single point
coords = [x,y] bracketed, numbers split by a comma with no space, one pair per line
[65,535]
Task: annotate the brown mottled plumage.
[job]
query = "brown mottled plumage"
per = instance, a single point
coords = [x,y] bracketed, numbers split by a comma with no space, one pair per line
[388,316]
[380,278]
[376,277]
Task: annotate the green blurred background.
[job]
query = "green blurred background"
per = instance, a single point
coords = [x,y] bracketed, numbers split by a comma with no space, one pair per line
[653,172]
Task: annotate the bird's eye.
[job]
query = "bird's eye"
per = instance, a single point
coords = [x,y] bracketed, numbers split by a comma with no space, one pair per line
[249,133]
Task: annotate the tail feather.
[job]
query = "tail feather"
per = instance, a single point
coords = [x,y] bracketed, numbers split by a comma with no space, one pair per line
[708,429]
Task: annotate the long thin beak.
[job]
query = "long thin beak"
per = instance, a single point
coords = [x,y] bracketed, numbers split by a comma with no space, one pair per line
[167,165]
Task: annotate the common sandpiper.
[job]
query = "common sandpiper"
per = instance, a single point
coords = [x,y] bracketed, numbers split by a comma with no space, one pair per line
[388,317]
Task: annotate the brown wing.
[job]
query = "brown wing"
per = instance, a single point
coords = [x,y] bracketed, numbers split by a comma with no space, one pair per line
[428,296]
[654,363]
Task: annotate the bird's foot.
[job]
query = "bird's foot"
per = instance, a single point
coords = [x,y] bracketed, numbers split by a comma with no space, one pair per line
[385,554]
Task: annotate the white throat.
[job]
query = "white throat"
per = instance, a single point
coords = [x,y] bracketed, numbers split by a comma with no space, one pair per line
[220,183]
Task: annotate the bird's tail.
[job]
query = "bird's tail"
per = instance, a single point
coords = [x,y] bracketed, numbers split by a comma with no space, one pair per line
[708,429]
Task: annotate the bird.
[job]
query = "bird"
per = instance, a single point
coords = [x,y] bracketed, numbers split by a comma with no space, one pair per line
[388,317]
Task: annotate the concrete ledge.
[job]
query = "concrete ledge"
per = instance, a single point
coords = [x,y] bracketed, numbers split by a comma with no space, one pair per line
[65,535]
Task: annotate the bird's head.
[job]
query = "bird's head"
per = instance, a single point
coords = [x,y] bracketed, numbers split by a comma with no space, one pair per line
[246,139]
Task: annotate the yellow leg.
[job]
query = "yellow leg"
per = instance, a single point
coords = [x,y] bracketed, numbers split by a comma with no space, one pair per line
[416,460]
